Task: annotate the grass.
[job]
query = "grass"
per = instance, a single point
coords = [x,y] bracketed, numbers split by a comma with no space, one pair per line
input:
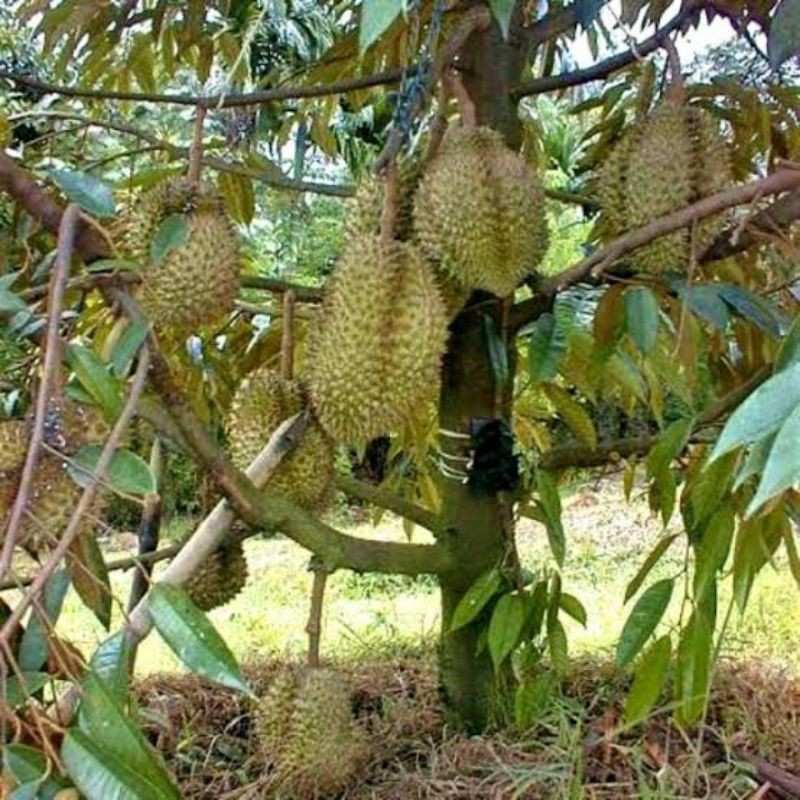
[365,614]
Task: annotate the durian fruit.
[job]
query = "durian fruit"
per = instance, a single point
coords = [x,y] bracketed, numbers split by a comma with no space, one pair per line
[366,208]
[307,731]
[221,577]
[376,349]
[14,437]
[54,494]
[263,401]
[479,212]
[197,281]
[669,160]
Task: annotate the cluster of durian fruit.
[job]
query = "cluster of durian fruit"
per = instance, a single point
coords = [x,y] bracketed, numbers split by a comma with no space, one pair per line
[69,426]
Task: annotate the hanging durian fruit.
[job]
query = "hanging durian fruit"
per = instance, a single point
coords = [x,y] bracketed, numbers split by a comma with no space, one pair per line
[54,494]
[376,349]
[366,208]
[220,578]
[263,401]
[670,159]
[195,283]
[307,732]
[479,212]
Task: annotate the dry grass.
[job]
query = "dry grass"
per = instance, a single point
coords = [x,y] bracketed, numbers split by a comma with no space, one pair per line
[578,749]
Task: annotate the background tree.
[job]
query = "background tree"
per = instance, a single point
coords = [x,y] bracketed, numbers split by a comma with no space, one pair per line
[595,362]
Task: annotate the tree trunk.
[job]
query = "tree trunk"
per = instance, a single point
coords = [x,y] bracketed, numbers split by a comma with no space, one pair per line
[474,526]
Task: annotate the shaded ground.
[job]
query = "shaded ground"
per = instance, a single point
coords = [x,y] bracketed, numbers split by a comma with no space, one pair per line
[578,749]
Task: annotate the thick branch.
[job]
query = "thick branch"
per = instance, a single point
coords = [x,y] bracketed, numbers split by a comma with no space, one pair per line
[383,498]
[214,100]
[42,207]
[561,21]
[581,456]
[782,181]
[762,226]
[303,294]
[602,69]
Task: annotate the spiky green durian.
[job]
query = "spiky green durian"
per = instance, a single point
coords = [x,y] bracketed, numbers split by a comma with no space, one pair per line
[195,283]
[375,352]
[221,577]
[366,208]
[669,160]
[263,401]
[308,732]
[479,212]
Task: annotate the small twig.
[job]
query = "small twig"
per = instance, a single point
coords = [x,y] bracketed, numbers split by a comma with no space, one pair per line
[390,200]
[469,116]
[314,626]
[303,294]
[196,149]
[52,359]
[438,125]
[85,502]
[287,339]
[689,279]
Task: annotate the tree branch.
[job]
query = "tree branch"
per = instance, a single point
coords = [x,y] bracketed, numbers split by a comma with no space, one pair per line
[303,294]
[214,100]
[379,496]
[602,69]
[781,181]
[561,21]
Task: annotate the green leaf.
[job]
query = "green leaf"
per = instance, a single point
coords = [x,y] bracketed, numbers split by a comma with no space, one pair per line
[755,462]
[693,666]
[756,541]
[784,33]
[34,645]
[669,446]
[642,318]
[376,17]
[549,505]
[475,598]
[89,574]
[11,304]
[239,196]
[101,717]
[101,775]
[537,606]
[789,351]
[505,627]
[572,606]
[751,307]
[127,347]
[111,663]
[28,767]
[713,549]
[652,559]
[762,413]
[545,349]
[91,194]
[498,356]
[95,378]
[532,698]
[112,265]
[648,680]
[127,472]
[557,646]
[704,300]
[171,234]
[782,470]
[502,10]
[19,690]
[643,619]
[187,630]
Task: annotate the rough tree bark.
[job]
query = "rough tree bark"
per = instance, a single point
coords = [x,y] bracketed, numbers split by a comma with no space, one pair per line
[473,527]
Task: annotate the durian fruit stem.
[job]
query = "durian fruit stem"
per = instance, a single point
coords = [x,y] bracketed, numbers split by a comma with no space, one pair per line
[67,232]
[469,116]
[676,91]
[287,338]
[389,210]
[314,626]
[149,529]
[196,149]
[439,123]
